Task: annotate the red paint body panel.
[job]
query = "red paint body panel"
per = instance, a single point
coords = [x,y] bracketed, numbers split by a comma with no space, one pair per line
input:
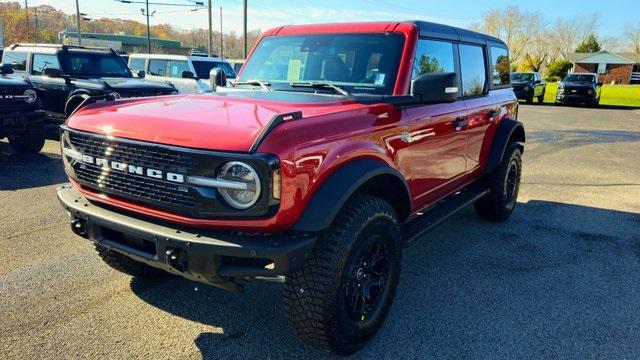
[438,161]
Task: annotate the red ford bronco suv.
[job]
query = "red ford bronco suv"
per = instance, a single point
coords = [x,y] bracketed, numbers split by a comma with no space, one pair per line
[338,145]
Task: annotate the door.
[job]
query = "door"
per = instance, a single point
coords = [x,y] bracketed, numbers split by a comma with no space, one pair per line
[53,92]
[435,134]
[157,70]
[184,86]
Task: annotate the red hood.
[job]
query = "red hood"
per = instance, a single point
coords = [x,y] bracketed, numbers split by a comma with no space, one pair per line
[196,121]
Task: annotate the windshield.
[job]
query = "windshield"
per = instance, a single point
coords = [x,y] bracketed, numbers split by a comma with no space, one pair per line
[358,63]
[95,64]
[580,78]
[204,67]
[521,77]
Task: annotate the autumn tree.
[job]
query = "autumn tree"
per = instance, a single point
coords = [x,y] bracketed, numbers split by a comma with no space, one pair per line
[632,38]
[513,26]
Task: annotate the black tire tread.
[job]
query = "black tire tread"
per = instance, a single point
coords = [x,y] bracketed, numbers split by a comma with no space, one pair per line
[492,207]
[310,312]
[31,141]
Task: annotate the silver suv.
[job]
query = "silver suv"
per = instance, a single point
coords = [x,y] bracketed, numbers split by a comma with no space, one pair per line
[189,74]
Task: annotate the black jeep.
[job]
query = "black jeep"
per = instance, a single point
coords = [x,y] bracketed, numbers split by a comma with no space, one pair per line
[67,77]
[20,114]
[528,85]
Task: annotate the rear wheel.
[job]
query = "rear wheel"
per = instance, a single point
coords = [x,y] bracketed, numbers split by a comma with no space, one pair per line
[504,184]
[126,264]
[31,141]
[340,298]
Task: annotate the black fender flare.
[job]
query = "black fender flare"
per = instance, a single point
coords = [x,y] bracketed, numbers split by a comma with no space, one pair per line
[327,201]
[80,96]
[508,131]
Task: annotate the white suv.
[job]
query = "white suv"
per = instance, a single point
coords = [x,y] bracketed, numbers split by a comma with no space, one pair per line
[189,74]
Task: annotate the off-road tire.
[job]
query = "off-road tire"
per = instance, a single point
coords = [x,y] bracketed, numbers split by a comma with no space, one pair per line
[31,141]
[529,99]
[127,265]
[541,98]
[498,205]
[315,297]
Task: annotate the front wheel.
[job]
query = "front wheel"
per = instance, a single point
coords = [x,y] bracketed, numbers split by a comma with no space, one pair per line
[31,141]
[541,98]
[504,184]
[341,296]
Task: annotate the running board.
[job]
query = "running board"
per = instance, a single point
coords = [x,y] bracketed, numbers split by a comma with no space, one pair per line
[429,218]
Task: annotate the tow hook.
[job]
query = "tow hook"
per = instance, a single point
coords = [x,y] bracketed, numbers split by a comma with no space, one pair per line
[177,259]
[79,227]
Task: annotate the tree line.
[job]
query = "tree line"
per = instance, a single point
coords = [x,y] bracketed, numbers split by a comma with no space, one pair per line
[43,23]
[536,44]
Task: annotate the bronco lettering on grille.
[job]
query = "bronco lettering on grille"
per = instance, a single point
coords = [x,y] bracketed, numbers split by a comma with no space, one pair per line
[133,169]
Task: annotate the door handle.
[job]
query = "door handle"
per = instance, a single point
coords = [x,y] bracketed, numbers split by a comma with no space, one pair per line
[460,123]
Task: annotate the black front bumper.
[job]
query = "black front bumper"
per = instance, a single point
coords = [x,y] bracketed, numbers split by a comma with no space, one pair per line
[214,257]
[575,98]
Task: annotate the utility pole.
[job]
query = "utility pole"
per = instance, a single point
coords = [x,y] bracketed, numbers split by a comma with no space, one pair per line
[221,38]
[210,30]
[78,23]
[26,11]
[35,25]
[148,30]
[245,29]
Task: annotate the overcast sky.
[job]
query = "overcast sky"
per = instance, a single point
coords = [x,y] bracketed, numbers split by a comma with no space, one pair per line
[615,15]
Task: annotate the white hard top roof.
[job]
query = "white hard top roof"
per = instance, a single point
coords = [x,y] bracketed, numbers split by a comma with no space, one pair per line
[176,57]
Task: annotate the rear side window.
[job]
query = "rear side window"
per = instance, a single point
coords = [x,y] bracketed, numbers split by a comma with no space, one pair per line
[433,57]
[176,67]
[136,64]
[42,61]
[472,67]
[500,64]
[158,67]
[19,60]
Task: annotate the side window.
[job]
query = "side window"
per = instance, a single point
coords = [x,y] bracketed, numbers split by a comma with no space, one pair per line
[19,60]
[500,61]
[42,61]
[176,67]
[158,67]
[433,57]
[472,67]
[136,65]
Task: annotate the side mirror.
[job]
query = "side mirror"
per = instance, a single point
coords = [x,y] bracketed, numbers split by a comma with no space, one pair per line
[600,82]
[435,88]
[141,74]
[53,72]
[6,69]
[187,75]
[217,78]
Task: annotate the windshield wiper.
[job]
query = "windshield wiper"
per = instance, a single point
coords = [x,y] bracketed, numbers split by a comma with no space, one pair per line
[263,84]
[321,85]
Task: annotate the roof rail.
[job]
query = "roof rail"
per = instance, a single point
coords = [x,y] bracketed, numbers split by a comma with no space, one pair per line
[63,47]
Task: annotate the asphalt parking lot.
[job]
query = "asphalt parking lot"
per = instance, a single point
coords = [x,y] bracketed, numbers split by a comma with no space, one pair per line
[560,279]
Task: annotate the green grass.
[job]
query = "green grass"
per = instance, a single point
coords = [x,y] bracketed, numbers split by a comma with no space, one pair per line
[620,95]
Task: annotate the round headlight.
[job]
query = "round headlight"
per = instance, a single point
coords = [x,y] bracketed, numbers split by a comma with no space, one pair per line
[590,91]
[30,96]
[240,172]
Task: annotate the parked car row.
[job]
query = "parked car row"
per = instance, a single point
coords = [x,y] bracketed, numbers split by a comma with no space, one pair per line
[582,88]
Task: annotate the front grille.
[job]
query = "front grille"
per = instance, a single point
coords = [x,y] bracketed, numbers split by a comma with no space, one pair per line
[159,193]
[133,185]
[154,157]
[569,90]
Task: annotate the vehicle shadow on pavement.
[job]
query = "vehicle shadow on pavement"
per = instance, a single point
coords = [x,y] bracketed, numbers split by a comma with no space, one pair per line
[556,280]
[24,171]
